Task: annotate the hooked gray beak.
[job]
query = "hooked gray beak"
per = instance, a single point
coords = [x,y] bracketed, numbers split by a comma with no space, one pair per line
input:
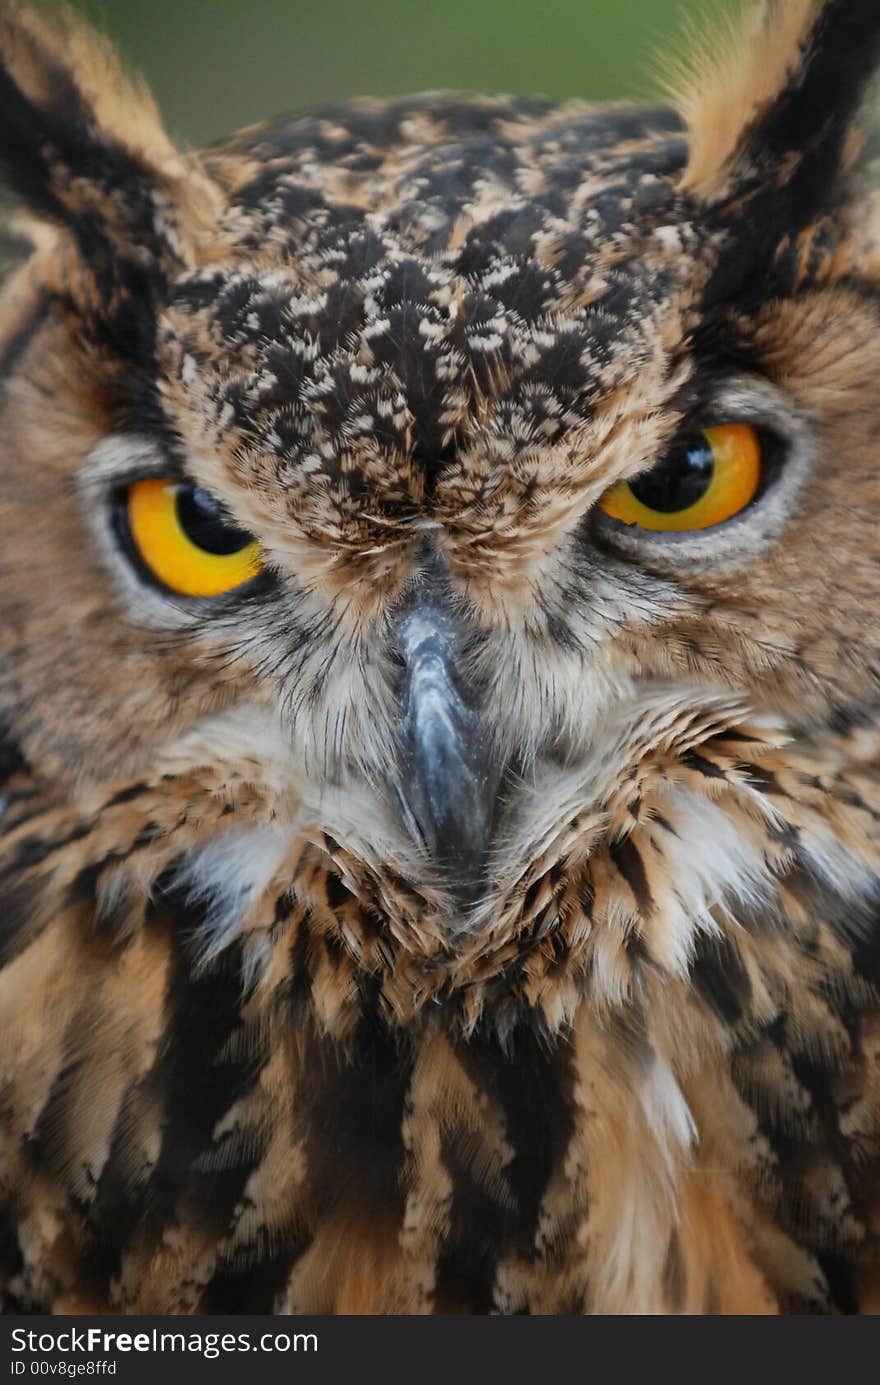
[448,780]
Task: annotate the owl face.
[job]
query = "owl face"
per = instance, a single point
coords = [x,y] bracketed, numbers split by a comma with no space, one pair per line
[468,495]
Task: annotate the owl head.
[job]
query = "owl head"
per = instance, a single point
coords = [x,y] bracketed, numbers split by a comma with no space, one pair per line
[439,542]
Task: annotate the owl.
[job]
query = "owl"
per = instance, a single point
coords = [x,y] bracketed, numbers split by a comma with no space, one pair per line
[440,695]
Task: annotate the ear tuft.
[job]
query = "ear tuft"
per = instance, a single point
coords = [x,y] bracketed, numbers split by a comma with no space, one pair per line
[83,146]
[49,61]
[774,102]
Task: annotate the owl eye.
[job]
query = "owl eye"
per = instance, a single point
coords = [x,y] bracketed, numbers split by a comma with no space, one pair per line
[184,539]
[707,478]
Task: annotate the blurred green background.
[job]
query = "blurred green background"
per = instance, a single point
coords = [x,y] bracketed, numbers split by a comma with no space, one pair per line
[219,64]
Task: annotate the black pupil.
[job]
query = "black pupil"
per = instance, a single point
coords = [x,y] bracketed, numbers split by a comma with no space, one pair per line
[680,480]
[202,520]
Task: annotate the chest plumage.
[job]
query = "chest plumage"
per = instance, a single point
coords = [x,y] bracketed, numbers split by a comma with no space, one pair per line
[438,679]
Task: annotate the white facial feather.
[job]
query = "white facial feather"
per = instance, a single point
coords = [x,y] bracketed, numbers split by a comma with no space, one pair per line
[227,875]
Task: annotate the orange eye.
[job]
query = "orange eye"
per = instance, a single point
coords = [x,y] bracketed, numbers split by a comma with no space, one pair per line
[184,538]
[707,478]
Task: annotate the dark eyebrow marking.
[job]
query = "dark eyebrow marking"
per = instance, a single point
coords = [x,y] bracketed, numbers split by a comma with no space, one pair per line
[15,345]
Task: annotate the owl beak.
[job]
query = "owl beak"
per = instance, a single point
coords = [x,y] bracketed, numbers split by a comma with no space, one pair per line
[448,780]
